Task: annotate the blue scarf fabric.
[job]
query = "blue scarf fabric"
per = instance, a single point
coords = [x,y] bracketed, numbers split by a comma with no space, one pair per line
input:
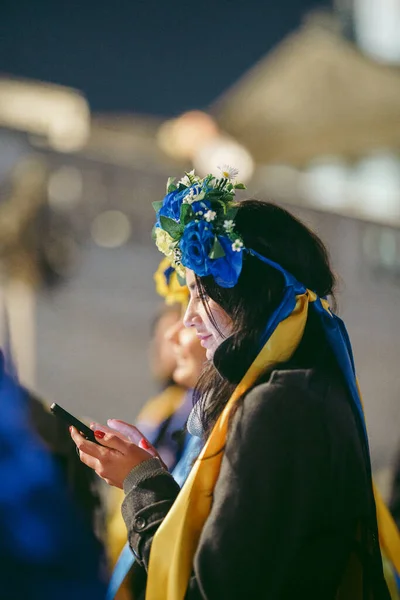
[339,342]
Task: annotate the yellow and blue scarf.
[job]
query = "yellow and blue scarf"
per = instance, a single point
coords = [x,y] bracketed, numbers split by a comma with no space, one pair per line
[175,543]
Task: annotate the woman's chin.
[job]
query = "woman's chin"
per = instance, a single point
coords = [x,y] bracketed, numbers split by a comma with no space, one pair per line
[210,353]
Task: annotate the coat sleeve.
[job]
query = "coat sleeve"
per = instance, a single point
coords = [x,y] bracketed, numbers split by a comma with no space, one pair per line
[150,492]
[273,509]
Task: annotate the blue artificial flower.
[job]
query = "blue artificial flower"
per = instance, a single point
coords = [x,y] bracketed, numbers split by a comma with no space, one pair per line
[172,205]
[196,244]
[173,201]
[192,241]
[201,206]
[226,270]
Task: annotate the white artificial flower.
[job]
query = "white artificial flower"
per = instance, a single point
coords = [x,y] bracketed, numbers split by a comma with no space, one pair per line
[177,255]
[210,215]
[237,245]
[194,195]
[177,264]
[228,172]
[164,241]
[190,198]
[185,180]
[228,225]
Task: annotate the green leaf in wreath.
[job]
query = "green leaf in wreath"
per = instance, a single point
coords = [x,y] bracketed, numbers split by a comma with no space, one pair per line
[157,205]
[170,185]
[187,214]
[217,250]
[240,186]
[174,229]
[214,195]
[222,206]
[182,280]
[231,213]
[208,179]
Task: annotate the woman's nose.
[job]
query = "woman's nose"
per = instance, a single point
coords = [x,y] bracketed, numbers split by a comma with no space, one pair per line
[188,317]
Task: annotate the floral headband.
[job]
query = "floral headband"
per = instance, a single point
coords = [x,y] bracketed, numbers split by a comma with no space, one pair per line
[195,226]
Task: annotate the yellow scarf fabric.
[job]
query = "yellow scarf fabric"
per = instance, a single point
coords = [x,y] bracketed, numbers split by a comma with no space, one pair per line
[154,412]
[175,542]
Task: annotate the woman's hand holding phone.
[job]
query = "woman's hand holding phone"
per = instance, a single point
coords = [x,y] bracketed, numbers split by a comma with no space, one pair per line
[122,448]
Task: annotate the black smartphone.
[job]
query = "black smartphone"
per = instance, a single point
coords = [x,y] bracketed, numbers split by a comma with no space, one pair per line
[71,420]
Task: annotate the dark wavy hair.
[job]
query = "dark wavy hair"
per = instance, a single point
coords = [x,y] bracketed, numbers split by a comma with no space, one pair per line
[278,235]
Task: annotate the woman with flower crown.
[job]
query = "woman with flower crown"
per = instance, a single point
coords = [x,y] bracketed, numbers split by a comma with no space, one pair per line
[280,503]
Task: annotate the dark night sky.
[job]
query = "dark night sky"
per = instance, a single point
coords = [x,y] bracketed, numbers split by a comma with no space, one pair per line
[145,56]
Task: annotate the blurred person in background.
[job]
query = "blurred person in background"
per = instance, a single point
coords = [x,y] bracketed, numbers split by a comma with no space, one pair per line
[190,359]
[47,546]
[164,415]
[157,415]
[176,361]
[189,355]
[280,503]
[82,486]
[161,359]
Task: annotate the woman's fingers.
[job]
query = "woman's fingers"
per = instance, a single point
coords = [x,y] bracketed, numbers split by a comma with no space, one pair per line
[136,436]
[85,445]
[145,444]
[94,456]
[125,432]
[100,427]
[114,459]
[90,454]
[113,440]
[129,431]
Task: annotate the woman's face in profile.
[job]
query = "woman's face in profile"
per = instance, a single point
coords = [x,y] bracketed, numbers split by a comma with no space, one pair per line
[210,331]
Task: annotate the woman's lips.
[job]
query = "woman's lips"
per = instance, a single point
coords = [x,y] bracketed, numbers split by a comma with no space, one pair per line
[203,339]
